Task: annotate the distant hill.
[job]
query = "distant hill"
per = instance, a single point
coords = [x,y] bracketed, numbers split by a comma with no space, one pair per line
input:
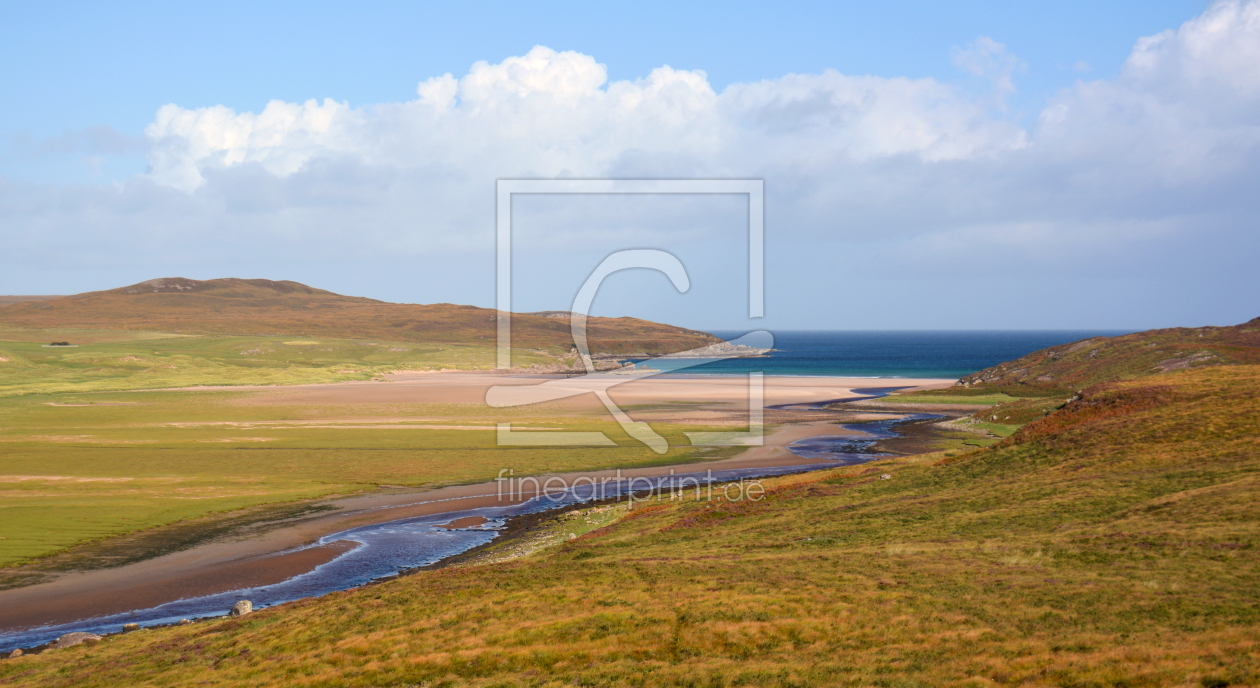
[6,300]
[1071,367]
[265,307]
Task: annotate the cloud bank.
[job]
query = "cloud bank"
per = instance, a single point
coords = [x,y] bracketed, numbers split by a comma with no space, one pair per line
[1148,177]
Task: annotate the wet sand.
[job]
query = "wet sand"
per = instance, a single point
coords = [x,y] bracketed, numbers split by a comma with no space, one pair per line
[225,565]
[82,595]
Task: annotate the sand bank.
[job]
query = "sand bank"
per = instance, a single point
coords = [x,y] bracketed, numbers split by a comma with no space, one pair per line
[472,387]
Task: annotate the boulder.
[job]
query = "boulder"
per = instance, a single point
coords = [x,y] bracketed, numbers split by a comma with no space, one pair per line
[183,622]
[241,608]
[127,628]
[16,653]
[76,638]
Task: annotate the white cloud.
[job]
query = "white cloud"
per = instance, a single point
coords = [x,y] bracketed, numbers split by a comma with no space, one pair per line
[1111,168]
[284,137]
[546,113]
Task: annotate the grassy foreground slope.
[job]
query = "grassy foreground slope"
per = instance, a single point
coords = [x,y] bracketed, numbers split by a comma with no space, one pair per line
[264,307]
[1113,543]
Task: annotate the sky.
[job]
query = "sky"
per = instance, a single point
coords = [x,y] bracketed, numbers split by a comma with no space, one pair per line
[970,165]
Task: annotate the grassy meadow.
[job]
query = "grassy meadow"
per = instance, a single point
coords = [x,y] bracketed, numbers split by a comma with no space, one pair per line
[103,360]
[1112,543]
[937,398]
[78,467]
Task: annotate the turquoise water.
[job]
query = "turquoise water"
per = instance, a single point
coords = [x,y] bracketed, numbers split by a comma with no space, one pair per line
[889,354]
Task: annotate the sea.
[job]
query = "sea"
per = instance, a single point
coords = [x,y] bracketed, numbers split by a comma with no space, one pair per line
[887,354]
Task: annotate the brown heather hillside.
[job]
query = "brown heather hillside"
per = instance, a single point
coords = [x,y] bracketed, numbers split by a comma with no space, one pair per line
[1067,368]
[264,307]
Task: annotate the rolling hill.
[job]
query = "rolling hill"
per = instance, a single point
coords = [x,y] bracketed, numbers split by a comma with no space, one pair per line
[1036,385]
[265,307]
[1067,368]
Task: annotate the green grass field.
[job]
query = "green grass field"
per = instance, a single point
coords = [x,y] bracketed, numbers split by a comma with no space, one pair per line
[89,465]
[1112,543]
[922,398]
[103,360]
[1002,414]
[999,429]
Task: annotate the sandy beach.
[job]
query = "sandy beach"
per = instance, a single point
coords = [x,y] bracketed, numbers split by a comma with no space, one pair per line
[472,387]
[696,399]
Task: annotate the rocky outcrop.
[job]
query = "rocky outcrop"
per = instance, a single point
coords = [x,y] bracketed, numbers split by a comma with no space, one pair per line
[1171,364]
[721,350]
[76,638]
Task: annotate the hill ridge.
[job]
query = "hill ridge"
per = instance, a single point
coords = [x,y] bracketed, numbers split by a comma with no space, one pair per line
[1073,366]
[236,306]
[181,285]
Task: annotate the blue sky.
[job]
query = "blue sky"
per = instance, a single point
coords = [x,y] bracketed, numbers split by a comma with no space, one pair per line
[970,165]
[73,65]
